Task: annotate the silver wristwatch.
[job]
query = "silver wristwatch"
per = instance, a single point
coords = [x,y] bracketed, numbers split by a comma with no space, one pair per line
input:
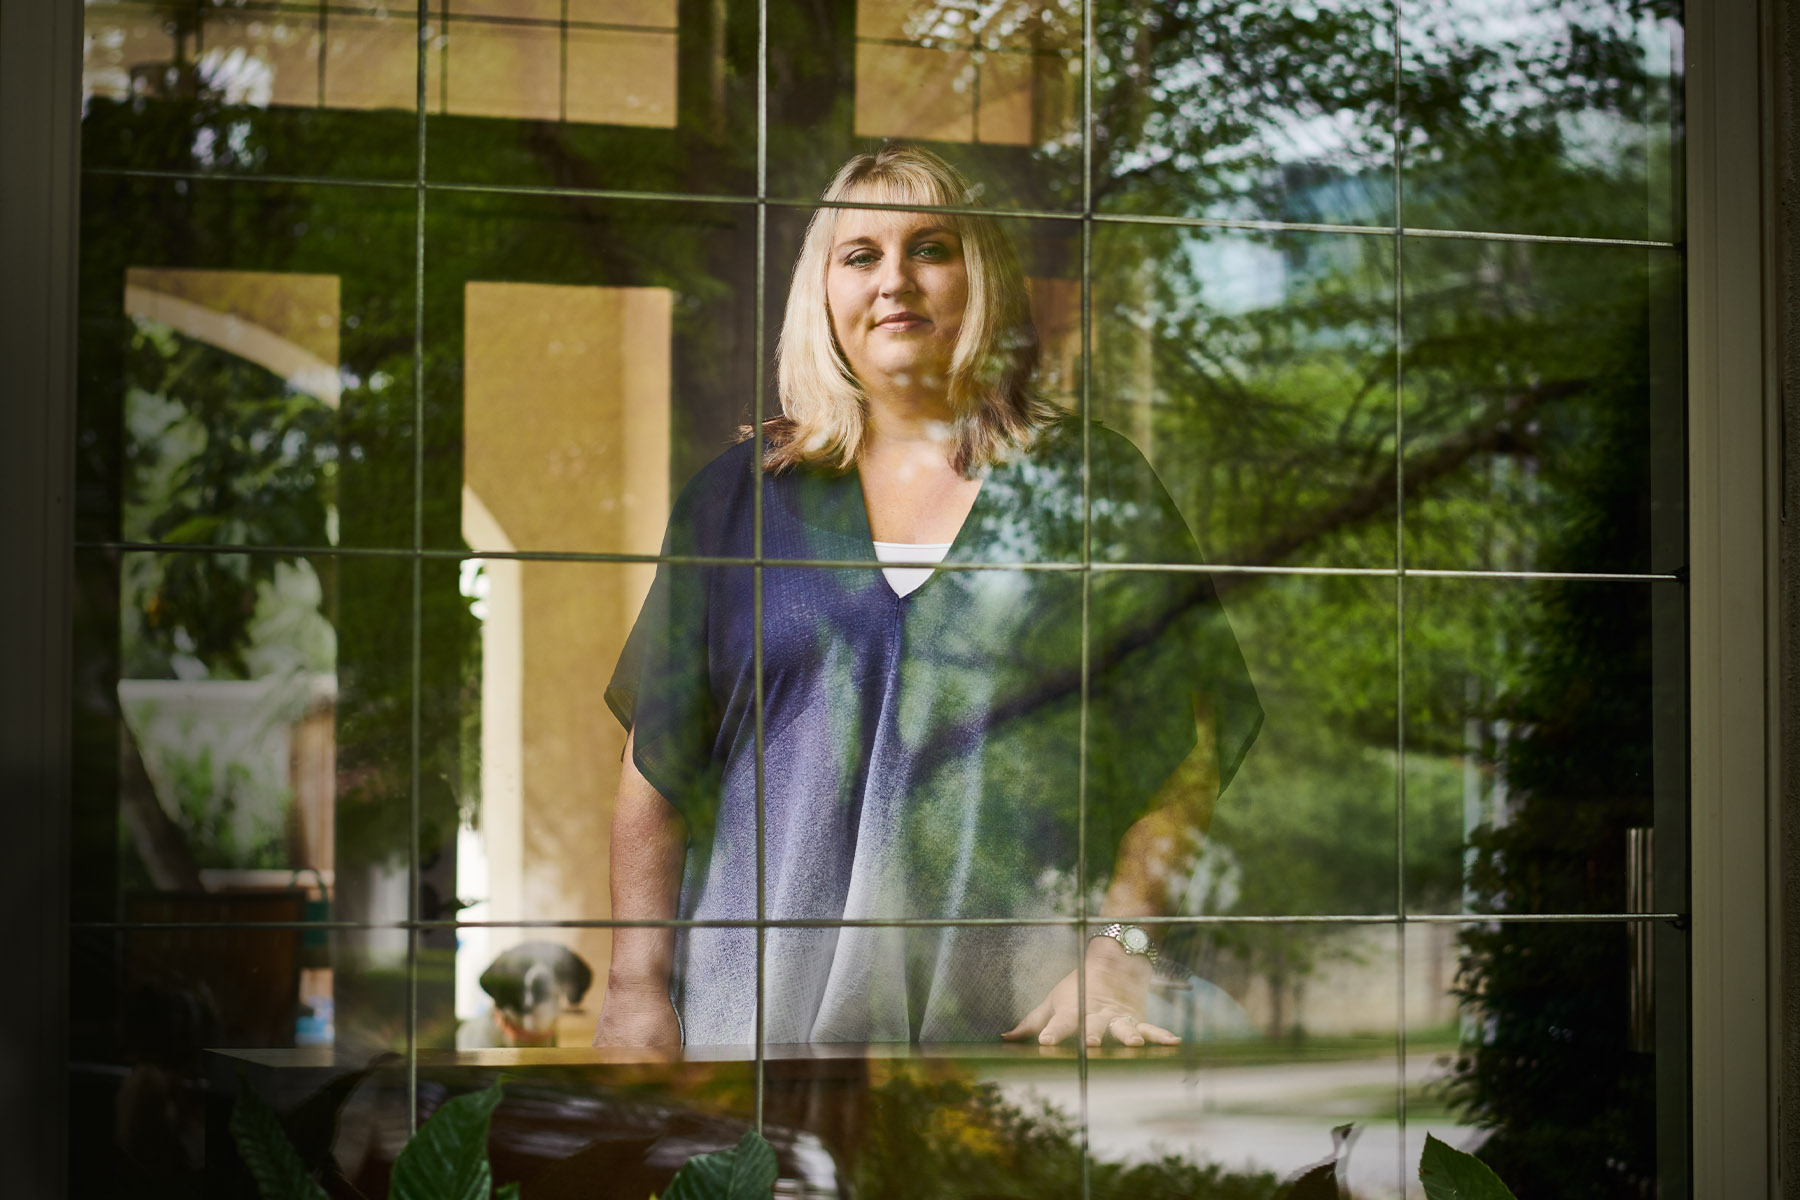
[1133,939]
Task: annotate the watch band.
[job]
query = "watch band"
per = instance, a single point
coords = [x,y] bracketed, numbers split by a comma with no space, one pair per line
[1133,939]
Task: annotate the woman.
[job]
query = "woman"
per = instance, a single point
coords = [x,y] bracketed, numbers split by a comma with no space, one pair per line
[923,731]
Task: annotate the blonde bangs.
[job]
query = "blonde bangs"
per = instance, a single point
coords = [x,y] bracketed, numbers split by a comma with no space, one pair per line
[824,408]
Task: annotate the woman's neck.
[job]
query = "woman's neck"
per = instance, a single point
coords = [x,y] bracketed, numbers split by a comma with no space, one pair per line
[909,421]
[911,491]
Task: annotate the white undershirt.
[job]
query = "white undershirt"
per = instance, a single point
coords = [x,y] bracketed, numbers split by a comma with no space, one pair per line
[905,580]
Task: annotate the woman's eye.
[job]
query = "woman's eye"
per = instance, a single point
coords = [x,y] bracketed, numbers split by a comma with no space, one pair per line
[861,258]
[932,251]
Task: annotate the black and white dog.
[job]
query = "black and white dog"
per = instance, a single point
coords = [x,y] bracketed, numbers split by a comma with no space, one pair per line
[530,985]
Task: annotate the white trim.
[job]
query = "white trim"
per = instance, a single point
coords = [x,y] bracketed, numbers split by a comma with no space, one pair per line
[1729,611]
[301,368]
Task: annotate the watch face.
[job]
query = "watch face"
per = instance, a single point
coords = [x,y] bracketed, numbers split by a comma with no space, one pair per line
[1135,940]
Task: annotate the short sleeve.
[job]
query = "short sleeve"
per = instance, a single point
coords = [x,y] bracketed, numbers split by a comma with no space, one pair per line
[661,689]
[1161,646]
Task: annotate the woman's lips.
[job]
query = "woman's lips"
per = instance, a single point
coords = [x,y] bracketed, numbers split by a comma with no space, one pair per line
[902,322]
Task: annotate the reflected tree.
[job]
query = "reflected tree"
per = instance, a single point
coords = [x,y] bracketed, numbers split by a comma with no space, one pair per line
[1271,415]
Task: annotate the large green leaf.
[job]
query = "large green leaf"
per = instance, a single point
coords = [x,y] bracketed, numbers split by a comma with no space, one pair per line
[447,1159]
[1450,1174]
[744,1172]
[265,1149]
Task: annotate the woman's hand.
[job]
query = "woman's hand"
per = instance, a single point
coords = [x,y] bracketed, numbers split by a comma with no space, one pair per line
[1118,984]
[638,1018]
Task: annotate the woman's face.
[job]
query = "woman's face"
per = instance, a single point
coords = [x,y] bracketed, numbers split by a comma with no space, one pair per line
[897,285]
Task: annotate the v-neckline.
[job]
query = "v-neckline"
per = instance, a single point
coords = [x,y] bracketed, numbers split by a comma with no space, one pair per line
[866,531]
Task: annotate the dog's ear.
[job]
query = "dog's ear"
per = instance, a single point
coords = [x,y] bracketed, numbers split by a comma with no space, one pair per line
[504,979]
[573,974]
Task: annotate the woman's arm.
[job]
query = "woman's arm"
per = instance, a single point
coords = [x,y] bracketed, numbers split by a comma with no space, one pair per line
[1159,848]
[1154,855]
[649,846]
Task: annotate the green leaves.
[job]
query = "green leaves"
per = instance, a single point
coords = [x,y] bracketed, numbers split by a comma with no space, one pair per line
[447,1158]
[265,1149]
[744,1172]
[1449,1174]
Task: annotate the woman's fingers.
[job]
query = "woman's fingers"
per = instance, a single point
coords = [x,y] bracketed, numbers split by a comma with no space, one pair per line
[1033,1022]
[1118,1026]
[1126,1030]
[1060,1025]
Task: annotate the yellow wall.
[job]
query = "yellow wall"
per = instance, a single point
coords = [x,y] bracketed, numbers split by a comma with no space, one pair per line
[566,447]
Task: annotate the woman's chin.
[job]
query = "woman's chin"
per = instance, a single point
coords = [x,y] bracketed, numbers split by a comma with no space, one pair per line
[908,375]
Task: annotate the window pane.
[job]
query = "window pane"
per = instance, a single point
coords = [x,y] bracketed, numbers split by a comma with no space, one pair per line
[207,994]
[1301,737]
[1543,407]
[972,681]
[1290,1032]
[264,89]
[531,709]
[1542,118]
[585,359]
[612,94]
[1256,371]
[1605,1113]
[944,1119]
[247,370]
[247,725]
[1004,526]
[1542,716]
[1261,112]
[995,89]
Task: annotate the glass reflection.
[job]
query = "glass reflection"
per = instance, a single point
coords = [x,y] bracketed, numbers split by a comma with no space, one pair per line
[614,64]
[247,728]
[1543,407]
[1291,1035]
[994,88]
[246,365]
[1006,74]
[575,1123]
[1542,118]
[1263,111]
[1581,1119]
[258,716]
[1308,822]
[589,357]
[1535,711]
[627,95]
[1256,372]
[540,753]
[227,698]
[230,402]
[313,90]
[201,995]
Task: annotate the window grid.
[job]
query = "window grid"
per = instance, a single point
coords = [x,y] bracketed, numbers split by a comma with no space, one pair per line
[1009,214]
[758,415]
[416,647]
[1397,138]
[423,186]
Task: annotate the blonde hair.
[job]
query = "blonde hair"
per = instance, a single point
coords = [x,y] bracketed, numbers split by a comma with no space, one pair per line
[824,409]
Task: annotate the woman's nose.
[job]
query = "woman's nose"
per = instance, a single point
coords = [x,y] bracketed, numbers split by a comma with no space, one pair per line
[896,276]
